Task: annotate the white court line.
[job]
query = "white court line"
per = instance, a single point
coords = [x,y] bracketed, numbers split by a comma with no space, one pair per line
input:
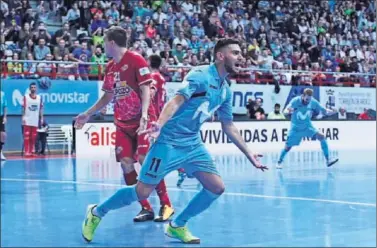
[195,191]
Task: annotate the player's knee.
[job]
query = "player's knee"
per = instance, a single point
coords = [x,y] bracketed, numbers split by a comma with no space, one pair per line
[218,189]
[127,165]
[143,191]
[288,148]
[3,136]
[141,159]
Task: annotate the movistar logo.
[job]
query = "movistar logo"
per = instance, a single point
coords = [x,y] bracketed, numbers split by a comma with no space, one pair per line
[203,112]
[302,116]
[17,98]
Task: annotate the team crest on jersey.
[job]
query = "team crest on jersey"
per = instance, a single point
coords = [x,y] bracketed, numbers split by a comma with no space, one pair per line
[144,71]
[125,67]
[33,107]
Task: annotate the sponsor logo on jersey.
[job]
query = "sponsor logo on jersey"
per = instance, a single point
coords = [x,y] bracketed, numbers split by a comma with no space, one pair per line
[144,71]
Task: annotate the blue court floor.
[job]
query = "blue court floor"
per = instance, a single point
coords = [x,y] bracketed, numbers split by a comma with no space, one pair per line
[43,203]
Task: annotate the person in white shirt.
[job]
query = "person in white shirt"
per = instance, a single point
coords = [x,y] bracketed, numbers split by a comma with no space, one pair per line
[32,114]
[276,115]
[188,8]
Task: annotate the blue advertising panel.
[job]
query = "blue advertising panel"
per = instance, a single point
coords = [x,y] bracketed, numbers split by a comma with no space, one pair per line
[60,97]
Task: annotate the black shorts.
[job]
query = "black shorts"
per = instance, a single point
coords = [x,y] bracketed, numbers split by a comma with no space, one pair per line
[2,126]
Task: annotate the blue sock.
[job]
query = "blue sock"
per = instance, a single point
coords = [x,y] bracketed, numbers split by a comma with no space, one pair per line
[198,204]
[325,148]
[282,155]
[121,198]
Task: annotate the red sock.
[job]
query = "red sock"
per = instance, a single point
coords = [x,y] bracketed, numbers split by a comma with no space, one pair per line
[33,139]
[26,140]
[163,194]
[131,179]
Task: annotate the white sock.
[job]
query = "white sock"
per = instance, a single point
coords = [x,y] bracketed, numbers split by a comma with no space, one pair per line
[95,213]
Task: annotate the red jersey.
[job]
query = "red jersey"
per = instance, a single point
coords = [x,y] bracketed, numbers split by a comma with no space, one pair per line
[124,80]
[158,100]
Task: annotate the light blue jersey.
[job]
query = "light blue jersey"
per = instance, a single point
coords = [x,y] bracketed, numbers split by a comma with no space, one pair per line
[302,114]
[205,93]
[3,103]
[179,144]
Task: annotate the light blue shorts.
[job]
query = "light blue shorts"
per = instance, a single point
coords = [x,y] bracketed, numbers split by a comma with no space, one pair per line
[164,158]
[295,135]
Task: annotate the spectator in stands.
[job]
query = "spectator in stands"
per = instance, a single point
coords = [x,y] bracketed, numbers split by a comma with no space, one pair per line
[64,34]
[99,58]
[276,115]
[365,115]
[41,50]
[73,16]
[255,109]
[85,15]
[61,49]
[28,48]
[25,34]
[30,68]
[297,34]
[42,33]
[82,55]
[46,68]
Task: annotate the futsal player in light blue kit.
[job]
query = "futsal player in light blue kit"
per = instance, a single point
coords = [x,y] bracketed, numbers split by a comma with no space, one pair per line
[302,108]
[178,144]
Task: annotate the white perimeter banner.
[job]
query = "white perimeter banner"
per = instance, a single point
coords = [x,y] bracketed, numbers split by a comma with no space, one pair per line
[354,100]
[98,139]
[241,94]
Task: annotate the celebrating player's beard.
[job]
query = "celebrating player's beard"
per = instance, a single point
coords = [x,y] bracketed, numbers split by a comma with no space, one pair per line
[230,66]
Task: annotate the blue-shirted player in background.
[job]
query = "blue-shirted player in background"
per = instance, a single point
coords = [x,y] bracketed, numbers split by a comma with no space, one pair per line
[302,109]
[179,145]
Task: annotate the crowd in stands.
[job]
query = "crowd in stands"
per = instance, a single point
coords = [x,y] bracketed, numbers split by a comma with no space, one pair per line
[309,35]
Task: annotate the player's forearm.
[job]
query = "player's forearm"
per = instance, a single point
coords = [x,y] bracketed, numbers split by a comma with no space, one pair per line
[102,102]
[233,134]
[145,99]
[5,111]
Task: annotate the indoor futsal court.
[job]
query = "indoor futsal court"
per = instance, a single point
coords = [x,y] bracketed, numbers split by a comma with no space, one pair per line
[43,203]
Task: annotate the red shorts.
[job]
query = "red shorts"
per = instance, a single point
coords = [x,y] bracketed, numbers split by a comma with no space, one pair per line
[128,143]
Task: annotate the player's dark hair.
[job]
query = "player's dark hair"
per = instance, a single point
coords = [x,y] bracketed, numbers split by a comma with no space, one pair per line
[155,61]
[118,35]
[225,42]
[32,84]
[277,105]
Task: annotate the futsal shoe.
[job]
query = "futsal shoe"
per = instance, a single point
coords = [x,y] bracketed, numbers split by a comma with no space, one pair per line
[2,156]
[279,166]
[165,213]
[331,162]
[182,176]
[181,233]
[90,224]
[144,215]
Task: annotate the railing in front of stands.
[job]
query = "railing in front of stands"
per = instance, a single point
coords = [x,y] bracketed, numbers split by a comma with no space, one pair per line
[26,69]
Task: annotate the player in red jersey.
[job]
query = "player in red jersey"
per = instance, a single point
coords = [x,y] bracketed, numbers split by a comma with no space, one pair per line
[158,95]
[128,81]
